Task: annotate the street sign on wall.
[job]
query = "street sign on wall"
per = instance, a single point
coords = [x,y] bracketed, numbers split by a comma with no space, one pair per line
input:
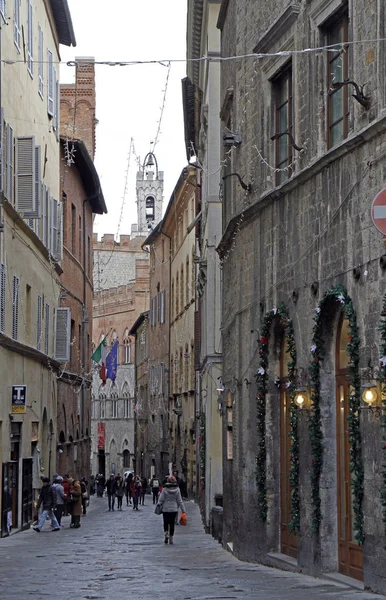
[19,396]
[378,211]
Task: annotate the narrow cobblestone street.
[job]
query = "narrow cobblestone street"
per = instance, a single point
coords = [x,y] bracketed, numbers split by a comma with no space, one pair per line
[122,555]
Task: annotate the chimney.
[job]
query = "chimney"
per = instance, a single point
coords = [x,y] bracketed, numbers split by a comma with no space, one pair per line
[77,105]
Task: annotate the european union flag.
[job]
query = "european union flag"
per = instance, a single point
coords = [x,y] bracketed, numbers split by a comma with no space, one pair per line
[112,362]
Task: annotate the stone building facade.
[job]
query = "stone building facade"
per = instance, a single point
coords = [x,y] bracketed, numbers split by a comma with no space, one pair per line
[30,250]
[182,410]
[82,197]
[202,136]
[121,294]
[304,285]
[158,245]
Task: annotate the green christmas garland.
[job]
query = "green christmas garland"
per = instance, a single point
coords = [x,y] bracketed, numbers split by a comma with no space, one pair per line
[382,378]
[262,385]
[338,293]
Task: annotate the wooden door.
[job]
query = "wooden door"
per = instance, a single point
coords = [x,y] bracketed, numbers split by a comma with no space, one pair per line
[350,555]
[288,540]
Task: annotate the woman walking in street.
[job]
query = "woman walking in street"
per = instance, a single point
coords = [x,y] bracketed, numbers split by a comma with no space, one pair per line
[76,494]
[170,501]
[136,492]
[119,491]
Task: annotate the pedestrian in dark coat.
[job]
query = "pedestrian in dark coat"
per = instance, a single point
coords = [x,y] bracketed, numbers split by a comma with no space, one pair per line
[110,488]
[83,485]
[128,493]
[92,485]
[119,491]
[137,492]
[47,499]
[101,483]
[154,484]
[76,494]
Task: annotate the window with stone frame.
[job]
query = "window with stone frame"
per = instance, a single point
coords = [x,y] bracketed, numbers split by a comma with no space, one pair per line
[193,274]
[114,405]
[126,348]
[126,459]
[337,71]
[102,398]
[182,289]
[188,294]
[283,99]
[177,294]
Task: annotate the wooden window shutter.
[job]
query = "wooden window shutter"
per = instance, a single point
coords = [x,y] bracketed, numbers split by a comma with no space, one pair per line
[44,209]
[9,164]
[35,214]
[15,307]
[59,254]
[2,297]
[39,323]
[50,94]
[17,27]
[48,219]
[25,174]
[62,334]
[47,329]
[54,227]
[29,37]
[41,61]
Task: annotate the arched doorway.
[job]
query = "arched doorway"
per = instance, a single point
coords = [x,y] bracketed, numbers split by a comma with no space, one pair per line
[288,540]
[350,554]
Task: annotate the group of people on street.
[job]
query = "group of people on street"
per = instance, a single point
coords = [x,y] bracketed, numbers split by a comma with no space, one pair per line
[68,496]
[64,496]
[116,487]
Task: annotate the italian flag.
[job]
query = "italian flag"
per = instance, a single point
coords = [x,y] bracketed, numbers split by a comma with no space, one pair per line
[99,357]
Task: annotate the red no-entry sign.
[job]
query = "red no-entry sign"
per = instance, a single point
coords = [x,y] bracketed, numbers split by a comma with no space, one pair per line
[378,211]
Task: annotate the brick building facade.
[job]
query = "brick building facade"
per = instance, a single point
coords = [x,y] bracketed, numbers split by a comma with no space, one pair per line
[82,198]
[121,294]
[303,285]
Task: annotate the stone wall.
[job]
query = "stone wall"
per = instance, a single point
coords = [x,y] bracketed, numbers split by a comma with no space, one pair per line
[279,240]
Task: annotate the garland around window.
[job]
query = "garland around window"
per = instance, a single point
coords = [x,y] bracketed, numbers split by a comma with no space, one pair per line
[338,293]
[262,379]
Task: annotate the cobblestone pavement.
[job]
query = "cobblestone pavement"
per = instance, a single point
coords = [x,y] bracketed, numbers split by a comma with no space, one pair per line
[119,555]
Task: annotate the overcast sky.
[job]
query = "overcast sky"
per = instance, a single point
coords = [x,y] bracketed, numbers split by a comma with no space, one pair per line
[129,99]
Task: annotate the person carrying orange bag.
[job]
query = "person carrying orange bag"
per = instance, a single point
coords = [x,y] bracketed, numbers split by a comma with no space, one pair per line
[183,519]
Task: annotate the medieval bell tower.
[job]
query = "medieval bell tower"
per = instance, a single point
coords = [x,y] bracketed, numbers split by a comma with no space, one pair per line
[150,187]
